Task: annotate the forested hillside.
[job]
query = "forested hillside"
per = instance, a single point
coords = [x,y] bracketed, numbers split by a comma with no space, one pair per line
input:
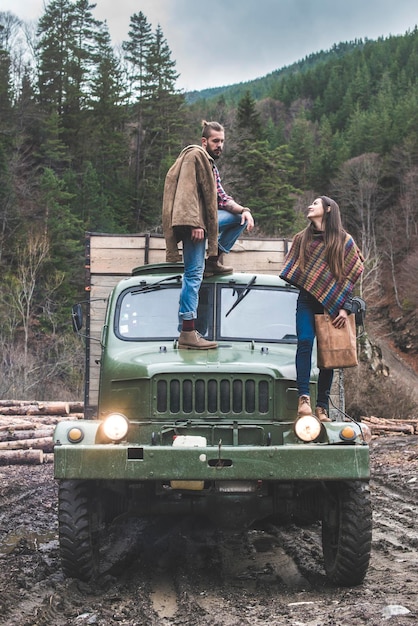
[88,132]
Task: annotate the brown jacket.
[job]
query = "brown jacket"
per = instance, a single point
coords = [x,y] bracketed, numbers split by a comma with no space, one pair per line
[190,199]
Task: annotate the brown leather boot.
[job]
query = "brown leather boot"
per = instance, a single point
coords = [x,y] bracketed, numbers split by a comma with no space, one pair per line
[304,406]
[221,257]
[322,414]
[192,340]
[214,265]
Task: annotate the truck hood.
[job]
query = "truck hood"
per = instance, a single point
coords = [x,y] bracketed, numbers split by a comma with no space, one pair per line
[150,359]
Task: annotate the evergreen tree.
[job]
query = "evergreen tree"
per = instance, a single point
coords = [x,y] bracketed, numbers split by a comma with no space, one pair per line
[65,233]
[262,179]
[161,69]
[302,146]
[67,56]
[90,203]
[52,151]
[157,118]
[54,54]
[108,147]
[137,50]
[330,153]
[248,119]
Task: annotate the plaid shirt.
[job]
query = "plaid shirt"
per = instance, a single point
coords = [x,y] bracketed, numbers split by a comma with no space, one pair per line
[223,197]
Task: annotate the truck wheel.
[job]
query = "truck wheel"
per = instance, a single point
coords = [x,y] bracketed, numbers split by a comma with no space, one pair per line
[78,530]
[347,533]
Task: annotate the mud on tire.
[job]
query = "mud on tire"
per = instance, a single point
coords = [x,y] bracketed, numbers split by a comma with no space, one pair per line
[78,530]
[347,532]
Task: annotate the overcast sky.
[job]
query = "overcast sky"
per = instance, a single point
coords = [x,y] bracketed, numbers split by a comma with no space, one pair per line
[223,42]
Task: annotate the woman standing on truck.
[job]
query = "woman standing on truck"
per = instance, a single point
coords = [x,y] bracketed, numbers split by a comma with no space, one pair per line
[325,263]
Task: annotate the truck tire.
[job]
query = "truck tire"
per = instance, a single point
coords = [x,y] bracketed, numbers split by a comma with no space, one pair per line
[347,533]
[78,530]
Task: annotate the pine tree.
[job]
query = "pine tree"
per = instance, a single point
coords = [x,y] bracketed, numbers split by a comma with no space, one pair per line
[161,70]
[63,230]
[248,119]
[54,54]
[262,181]
[137,49]
[67,56]
[302,146]
[157,116]
[108,146]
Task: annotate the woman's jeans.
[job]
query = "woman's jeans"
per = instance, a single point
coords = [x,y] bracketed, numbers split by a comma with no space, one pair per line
[230,228]
[306,308]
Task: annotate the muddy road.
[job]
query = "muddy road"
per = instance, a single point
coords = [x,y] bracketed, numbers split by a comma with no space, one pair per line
[172,572]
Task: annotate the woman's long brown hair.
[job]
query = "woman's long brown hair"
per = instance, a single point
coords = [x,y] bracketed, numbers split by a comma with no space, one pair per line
[334,238]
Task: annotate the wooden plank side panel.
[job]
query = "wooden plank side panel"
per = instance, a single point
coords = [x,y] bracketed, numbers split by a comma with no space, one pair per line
[100,288]
[120,254]
[263,256]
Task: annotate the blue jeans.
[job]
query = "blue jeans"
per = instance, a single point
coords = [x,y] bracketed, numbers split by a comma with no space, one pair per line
[230,228]
[306,308]
[194,266]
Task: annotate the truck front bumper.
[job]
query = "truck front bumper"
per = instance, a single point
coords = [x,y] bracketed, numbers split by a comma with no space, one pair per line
[303,462]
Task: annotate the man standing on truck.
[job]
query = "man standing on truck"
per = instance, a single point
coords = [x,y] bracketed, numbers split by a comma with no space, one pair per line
[195,209]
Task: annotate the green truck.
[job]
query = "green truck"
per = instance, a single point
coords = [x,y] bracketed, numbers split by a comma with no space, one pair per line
[208,433]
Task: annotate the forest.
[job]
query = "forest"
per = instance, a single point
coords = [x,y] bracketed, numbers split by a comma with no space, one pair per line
[88,132]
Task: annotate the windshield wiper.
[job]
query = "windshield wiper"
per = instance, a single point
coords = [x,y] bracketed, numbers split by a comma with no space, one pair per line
[154,286]
[242,295]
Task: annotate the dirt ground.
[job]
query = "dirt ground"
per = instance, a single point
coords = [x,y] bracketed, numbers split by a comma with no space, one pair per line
[169,572]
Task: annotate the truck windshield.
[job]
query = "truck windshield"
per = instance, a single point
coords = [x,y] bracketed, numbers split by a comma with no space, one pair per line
[265,313]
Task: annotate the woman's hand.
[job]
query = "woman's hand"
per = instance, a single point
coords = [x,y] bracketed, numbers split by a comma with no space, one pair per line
[341,319]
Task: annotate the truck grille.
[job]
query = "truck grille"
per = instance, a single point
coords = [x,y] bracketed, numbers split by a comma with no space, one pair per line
[225,396]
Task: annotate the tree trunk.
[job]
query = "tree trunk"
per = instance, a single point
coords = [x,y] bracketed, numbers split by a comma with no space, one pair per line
[18,435]
[21,457]
[34,408]
[43,443]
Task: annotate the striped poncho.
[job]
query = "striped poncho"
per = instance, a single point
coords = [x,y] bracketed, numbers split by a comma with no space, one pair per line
[316,277]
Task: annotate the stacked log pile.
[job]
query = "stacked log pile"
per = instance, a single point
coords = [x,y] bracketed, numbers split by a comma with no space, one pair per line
[26,429]
[380,426]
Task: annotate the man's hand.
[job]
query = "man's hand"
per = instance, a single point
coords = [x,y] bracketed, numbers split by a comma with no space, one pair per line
[247,217]
[197,234]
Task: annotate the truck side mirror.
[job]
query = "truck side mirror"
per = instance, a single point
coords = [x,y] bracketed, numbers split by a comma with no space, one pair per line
[77,317]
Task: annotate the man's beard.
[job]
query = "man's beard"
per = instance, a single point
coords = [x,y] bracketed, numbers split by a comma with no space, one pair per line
[214,155]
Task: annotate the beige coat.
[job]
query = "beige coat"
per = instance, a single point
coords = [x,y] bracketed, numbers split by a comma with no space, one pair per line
[190,199]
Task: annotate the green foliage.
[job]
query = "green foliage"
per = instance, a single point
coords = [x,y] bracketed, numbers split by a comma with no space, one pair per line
[248,119]
[137,50]
[263,176]
[64,231]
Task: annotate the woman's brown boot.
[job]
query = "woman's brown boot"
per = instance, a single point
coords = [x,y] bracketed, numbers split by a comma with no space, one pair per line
[322,414]
[304,406]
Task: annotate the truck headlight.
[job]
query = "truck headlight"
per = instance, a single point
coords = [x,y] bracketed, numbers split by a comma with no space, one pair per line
[115,426]
[307,428]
